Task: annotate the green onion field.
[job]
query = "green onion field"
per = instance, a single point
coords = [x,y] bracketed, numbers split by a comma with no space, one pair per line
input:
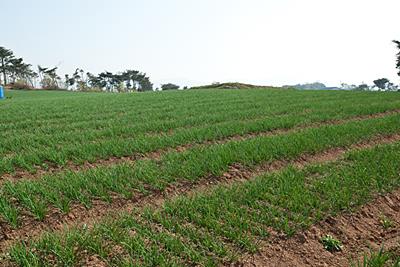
[206,177]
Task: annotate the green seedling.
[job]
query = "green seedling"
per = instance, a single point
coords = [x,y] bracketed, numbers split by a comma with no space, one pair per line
[331,244]
[386,222]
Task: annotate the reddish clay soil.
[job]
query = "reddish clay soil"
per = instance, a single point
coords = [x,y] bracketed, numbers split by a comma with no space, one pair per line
[71,166]
[359,232]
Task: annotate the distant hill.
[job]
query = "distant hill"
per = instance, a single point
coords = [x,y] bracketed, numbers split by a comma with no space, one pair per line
[236,85]
[231,85]
[311,86]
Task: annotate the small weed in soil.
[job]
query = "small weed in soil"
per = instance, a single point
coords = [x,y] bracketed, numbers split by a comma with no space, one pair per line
[386,222]
[331,244]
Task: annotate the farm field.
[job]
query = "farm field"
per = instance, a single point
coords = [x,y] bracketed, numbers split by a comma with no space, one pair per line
[199,178]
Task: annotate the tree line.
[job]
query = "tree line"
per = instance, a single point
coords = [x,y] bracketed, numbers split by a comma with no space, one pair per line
[126,81]
[15,73]
[381,84]
[13,68]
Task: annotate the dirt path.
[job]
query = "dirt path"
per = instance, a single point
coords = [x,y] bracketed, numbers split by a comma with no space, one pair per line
[358,231]
[70,166]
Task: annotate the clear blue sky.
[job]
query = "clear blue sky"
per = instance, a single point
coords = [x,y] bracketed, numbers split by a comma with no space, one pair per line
[202,41]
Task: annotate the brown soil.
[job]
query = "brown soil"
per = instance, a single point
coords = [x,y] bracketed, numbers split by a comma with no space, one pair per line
[80,215]
[71,166]
[359,232]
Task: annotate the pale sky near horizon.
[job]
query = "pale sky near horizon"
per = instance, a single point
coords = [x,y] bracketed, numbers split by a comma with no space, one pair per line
[190,42]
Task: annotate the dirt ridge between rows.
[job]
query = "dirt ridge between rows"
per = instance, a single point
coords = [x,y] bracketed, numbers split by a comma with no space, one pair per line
[79,215]
[20,174]
[359,232]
